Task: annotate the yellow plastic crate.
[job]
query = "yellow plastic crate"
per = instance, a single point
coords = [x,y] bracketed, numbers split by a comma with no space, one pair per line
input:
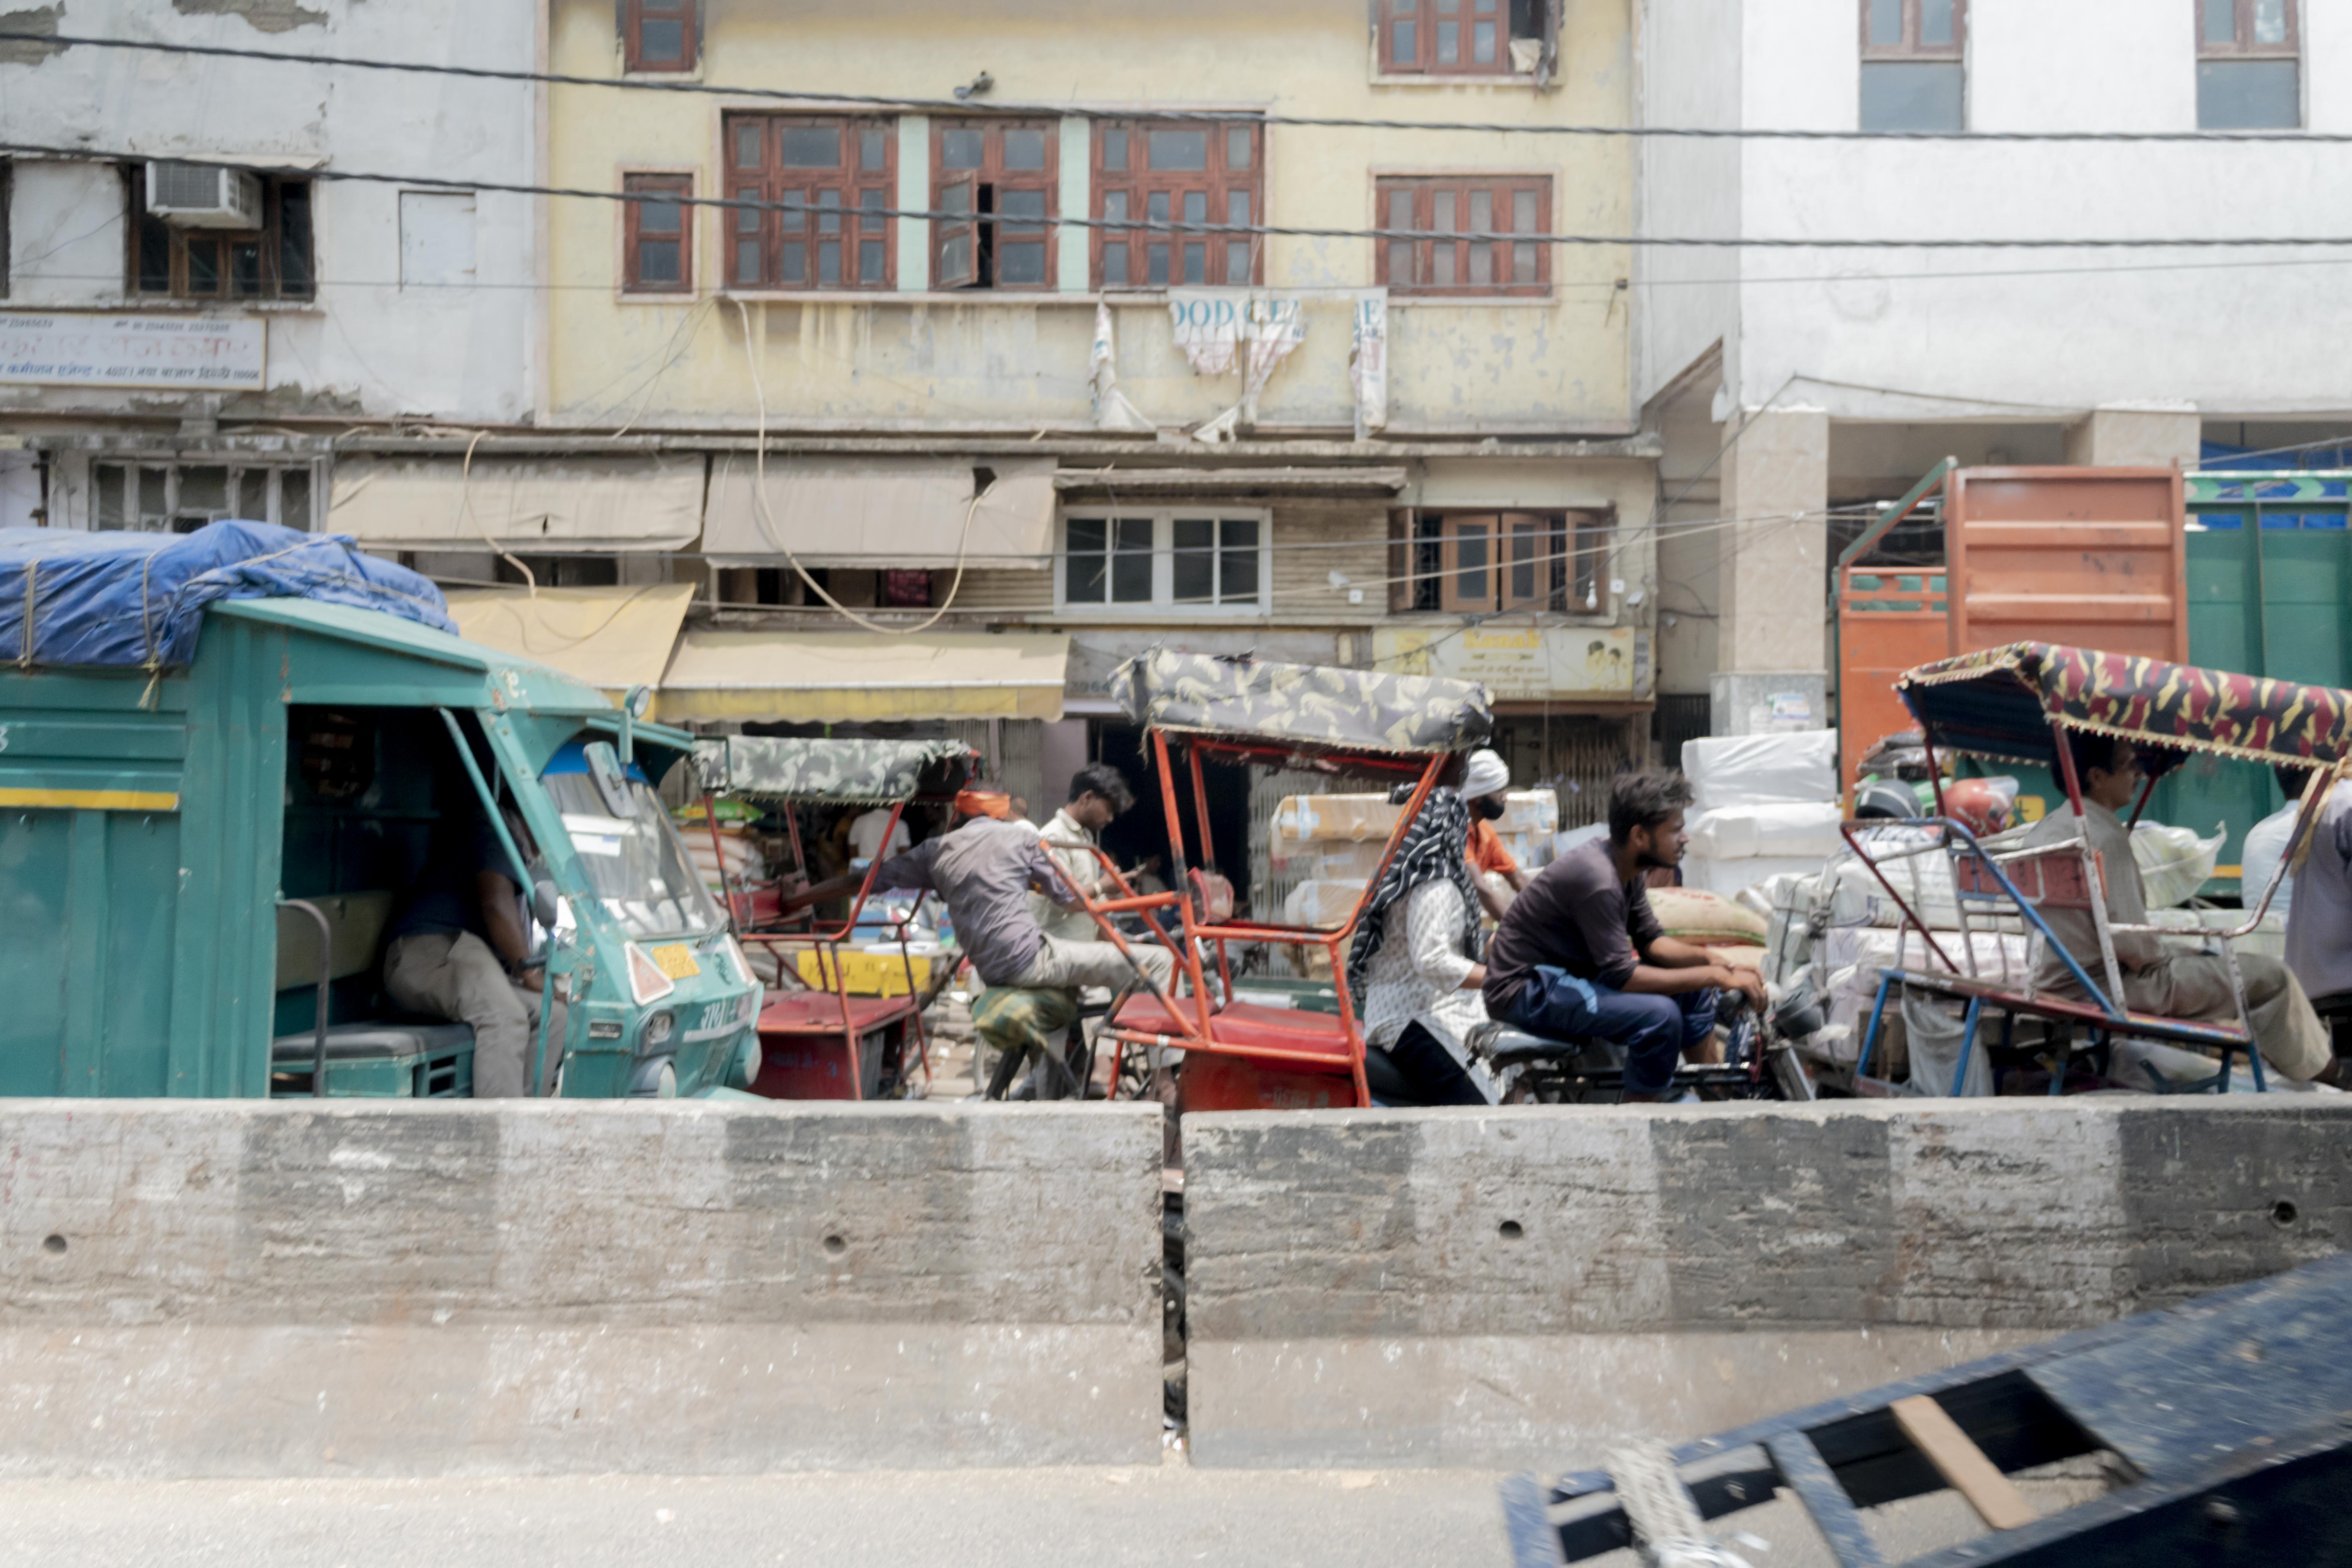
[868,974]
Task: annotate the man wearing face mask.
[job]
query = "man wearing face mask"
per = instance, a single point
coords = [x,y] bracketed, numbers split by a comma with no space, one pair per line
[1484,777]
[1581,955]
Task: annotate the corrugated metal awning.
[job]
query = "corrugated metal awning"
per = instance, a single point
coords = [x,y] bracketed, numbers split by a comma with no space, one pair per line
[1228,481]
[876,512]
[849,677]
[610,637]
[571,504]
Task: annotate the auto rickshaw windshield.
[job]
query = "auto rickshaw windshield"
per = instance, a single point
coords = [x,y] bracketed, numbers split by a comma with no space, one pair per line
[636,865]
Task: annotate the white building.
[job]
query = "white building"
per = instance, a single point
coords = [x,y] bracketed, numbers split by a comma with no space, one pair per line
[1791,381]
[176,346]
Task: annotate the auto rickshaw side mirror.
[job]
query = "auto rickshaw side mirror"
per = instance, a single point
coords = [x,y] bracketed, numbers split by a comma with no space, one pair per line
[546,904]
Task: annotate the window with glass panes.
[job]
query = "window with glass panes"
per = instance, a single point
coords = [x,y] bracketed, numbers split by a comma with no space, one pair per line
[827,180]
[1913,65]
[657,235]
[1000,178]
[1157,172]
[2249,65]
[660,34]
[1211,560]
[1456,37]
[272,262]
[1466,207]
[1482,562]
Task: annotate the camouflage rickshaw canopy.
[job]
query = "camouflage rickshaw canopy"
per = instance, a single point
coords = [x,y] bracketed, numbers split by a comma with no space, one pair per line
[1312,706]
[846,772]
[2001,702]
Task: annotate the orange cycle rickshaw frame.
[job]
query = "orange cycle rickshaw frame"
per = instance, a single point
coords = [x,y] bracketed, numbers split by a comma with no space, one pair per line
[794,771]
[1333,720]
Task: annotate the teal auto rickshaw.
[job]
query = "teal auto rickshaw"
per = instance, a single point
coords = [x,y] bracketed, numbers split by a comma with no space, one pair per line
[212,808]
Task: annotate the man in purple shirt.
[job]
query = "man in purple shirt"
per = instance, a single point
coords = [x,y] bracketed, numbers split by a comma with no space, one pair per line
[1581,955]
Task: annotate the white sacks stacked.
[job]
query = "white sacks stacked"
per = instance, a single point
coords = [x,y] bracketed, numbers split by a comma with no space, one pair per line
[1333,843]
[1762,805]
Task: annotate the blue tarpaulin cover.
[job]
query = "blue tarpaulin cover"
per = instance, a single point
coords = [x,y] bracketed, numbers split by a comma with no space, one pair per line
[137,599]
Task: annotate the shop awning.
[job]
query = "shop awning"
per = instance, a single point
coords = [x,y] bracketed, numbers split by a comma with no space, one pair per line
[566,504]
[847,677]
[609,637]
[883,511]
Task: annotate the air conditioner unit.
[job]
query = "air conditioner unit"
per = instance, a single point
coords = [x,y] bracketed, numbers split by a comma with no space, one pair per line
[199,195]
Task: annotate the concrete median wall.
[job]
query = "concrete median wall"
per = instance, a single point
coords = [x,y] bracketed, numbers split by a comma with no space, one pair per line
[257,1289]
[1520,1287]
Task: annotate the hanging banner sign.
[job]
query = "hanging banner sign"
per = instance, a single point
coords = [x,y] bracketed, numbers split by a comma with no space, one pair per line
[220,353]
[1516,663]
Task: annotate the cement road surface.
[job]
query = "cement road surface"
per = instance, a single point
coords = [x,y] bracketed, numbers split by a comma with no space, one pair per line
[971,1519]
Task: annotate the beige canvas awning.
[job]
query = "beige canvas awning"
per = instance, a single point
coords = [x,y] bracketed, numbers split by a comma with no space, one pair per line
[566,504]
[883,511]
[610,637]
[845,676]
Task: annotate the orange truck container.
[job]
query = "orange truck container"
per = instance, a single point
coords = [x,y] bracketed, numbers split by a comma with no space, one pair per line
[2091,557]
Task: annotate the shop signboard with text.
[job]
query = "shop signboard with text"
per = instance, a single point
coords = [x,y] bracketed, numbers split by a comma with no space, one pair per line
[1516,662]
[209,353]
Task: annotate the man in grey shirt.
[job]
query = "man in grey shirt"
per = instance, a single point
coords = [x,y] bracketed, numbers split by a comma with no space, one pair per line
[985,870]
[2155,980]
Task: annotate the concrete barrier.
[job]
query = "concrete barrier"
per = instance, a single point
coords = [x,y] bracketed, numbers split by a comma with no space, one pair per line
[1520,1287]
[230,1288]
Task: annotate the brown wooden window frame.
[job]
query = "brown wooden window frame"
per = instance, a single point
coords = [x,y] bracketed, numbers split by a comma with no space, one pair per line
[797,213]
[635,14]
[635,232]
[1464,562]
[167,261]
[2241,46]
[965,255]
[1424,198]
[1125,187]
[1911,48]
[1423,24]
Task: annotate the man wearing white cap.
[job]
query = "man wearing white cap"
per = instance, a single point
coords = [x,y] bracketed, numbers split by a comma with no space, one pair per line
[1484,777]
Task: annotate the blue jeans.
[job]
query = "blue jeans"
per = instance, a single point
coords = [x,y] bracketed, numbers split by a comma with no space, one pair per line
[1655,1030]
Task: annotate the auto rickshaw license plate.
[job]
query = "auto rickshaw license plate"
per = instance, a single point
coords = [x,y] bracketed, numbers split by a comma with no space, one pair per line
[676,961]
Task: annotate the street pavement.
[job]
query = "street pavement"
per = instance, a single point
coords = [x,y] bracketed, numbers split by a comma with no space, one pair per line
[1092,1518]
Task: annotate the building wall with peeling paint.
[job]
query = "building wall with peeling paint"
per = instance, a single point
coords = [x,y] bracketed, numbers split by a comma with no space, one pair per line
[372,343]
[915,360]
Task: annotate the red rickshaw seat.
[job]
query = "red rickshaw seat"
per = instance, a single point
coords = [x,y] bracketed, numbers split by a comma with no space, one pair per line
[1241,1025]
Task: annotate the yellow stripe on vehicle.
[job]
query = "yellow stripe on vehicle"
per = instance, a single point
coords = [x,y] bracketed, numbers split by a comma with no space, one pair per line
[91,799]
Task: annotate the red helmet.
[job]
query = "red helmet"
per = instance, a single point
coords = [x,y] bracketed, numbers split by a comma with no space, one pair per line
[1978,802]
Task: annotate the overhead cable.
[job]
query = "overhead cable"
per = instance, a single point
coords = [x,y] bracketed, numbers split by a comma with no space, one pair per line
[1179,227]
[999,110]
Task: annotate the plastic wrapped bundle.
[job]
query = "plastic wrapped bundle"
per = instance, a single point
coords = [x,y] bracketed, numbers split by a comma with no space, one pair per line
[1762,770]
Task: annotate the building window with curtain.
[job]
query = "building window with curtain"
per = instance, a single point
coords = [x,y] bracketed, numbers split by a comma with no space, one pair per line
[1464,206]
[1470,563]
[1163,172]
[1000,180]
[1208,561]
[1915,64]
[657,235]
[2249,65]
[825,182]
[1462,38]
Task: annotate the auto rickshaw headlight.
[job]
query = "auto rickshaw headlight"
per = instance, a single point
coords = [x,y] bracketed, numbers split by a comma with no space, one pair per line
[659,1029]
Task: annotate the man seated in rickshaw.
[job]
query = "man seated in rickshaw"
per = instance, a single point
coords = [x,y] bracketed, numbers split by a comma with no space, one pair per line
[1098,795]
[983,870]
[460,950]
[1581,955]
[2192,986]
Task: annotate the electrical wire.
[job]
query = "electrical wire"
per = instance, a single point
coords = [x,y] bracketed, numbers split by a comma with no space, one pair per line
[1211,230]
[1004,109]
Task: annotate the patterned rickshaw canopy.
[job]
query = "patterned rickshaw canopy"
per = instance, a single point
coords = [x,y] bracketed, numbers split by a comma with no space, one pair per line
[2001,702]
[1307,706]
[846,772]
